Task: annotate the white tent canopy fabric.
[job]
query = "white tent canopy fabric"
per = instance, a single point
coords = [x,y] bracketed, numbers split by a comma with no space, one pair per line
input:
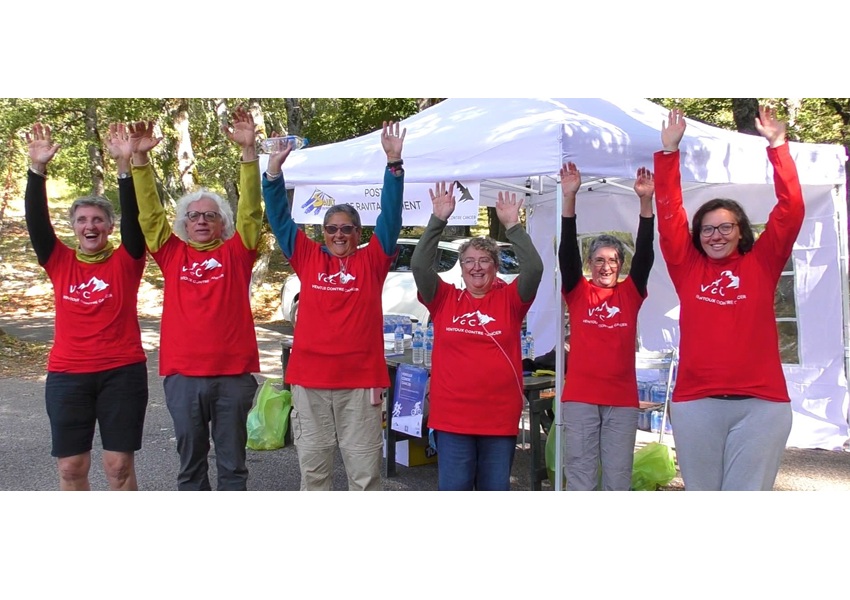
[520,143]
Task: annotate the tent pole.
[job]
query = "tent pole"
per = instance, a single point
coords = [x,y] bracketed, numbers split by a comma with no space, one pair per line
[842,223]
[559,350]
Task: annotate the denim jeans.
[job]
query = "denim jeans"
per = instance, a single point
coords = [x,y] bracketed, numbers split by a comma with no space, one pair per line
[474,462]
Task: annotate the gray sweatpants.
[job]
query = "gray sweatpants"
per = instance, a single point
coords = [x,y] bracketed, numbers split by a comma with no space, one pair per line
[598,435]
[730,444]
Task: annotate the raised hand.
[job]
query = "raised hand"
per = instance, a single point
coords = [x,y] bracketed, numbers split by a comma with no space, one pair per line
[242,129]
[391,141]
[673,130]
[644,183]
[143,139]
[120,146]
[41,147]
[507,209]
[276,159]
[443,200]
[570,184]
[645,189]
[769,127]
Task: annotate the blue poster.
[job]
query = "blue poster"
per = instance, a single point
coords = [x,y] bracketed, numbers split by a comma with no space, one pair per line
[411,391]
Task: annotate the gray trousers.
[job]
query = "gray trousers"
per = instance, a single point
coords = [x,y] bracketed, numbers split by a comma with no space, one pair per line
[598,436]
[195,404]
[730,444]
[321,419]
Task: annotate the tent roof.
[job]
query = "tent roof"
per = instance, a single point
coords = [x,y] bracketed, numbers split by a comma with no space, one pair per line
[510,139]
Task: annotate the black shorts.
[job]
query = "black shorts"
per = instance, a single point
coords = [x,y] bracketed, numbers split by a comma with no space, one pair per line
[116,399]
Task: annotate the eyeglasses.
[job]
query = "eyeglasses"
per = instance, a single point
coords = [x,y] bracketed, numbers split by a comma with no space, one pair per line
[470,263]
[723,228]
[209,216]
[601,262]
[345,229]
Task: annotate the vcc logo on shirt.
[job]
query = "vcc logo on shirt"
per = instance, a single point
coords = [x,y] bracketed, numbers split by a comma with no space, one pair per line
[718,287]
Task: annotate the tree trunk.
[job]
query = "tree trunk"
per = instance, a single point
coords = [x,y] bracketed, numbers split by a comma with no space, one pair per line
[843,111]
[186,165]
[745,111]
[185,152]
[95,147]
[294,116]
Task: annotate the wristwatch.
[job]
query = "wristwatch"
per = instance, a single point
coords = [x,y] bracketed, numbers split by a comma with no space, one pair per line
[125,175]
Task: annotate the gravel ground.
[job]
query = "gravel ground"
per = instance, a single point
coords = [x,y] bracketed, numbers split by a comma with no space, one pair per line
[25,462]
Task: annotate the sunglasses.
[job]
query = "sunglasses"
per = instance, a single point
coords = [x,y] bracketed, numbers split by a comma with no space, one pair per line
[345,229]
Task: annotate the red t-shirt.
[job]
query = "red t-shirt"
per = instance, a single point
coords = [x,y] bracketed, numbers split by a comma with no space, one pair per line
[476,371]
[603,330]
[207,323]
[339,336]
[729,342]
[97,325]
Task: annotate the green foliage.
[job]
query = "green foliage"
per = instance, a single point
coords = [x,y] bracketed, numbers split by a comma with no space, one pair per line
[337,119]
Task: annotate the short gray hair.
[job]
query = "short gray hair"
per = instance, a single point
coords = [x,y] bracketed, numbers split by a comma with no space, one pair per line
[484,244]
[97,202]
[345,209]
[607,241]
[224,210]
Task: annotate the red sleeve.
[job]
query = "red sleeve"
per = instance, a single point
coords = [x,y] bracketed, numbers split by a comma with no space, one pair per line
[674,237]
[783,226]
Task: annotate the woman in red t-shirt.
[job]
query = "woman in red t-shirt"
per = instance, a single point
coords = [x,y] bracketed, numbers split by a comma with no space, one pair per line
[731,407]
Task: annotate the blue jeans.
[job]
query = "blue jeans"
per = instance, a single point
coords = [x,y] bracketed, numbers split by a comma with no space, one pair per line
[474,462]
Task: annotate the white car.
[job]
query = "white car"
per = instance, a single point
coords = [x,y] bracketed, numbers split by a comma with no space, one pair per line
[399,296]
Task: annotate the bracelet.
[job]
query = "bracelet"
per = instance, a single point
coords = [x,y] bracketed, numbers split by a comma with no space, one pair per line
[395,164]
[39,173]
[273,177]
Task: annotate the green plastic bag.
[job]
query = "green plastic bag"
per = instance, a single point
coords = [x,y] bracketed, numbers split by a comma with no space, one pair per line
[268,420]
[654,467]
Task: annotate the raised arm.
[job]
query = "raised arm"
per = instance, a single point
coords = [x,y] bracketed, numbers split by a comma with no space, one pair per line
[277,202]
[388,225]
[673,230]
[152,217]
[786,218]
[41,152]
[249,212]
[121,149]
[569,256]
[644,251]
[425,253]
[531,265]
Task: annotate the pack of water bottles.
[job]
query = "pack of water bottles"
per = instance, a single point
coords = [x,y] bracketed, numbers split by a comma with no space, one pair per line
[398,334]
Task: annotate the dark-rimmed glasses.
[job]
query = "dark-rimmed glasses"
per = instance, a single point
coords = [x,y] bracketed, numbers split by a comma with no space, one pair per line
[345,229]
[210,216]
[724,229]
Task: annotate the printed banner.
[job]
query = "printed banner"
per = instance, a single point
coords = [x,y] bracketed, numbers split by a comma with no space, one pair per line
[411,391]
[311,202]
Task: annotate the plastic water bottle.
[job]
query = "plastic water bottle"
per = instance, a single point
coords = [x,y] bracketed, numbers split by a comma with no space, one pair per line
[429,344]
[529,341]
[655,421]
[418,345]
[278,144]
[523,338]
[398,346]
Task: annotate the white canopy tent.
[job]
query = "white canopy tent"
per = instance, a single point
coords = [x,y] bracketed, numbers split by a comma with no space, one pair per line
[519,144]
